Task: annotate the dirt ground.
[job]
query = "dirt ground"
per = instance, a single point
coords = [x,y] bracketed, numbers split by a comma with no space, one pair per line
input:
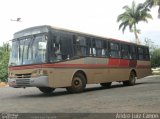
[141,98]
[3,84]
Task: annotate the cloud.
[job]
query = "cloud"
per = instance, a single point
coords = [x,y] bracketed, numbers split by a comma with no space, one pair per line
[90,16]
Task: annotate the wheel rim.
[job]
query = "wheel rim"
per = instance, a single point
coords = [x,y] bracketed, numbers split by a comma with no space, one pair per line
[77,83]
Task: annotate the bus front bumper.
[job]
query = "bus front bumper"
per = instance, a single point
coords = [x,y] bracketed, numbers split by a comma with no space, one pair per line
[41,81]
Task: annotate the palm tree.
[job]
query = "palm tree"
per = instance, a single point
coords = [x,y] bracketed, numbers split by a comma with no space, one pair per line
[132,16]
[152,3]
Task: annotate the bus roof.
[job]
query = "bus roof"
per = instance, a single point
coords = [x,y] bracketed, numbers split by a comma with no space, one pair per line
[88,34]
[46,28]
[92,35]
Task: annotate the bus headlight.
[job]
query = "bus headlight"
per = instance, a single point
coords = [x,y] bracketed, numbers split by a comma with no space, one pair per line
[11,75]
[42,72]
[39,72]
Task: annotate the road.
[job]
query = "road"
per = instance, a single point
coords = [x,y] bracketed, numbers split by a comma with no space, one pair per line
[143,97]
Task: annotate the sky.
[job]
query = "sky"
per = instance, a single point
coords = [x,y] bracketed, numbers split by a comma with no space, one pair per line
[98,17]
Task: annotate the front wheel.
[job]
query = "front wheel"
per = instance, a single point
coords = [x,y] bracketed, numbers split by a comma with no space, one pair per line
[78,84]
[46,90]
[131,81]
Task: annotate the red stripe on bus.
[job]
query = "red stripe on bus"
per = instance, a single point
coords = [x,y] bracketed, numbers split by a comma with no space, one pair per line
[25,67]
[56,65]
[121,63]
[124,63]
[113,62]
[118,62]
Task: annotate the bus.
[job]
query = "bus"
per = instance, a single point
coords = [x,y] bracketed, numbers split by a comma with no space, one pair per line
[47,57]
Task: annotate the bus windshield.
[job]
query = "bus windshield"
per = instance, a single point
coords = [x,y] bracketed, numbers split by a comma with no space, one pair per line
[28,50]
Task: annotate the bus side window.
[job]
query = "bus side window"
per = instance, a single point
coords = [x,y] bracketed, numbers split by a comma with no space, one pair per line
[99,47]
[146,53]
[133,52]
[94,47]
[105,51]
[55,54]
[52,44]
[140,53]
[125,51]
[88,47]
[57,51]
[79,45]
[66,46]
[114,50]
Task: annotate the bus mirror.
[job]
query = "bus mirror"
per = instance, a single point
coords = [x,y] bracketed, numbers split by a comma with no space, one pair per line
[42,45]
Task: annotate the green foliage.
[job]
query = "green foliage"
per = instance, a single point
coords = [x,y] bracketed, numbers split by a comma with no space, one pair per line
[154,52]
[152,3]
[132,16]
[155,58]
[4,58]
[148,42]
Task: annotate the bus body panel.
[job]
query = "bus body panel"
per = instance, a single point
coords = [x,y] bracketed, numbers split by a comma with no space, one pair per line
[61,74]
[36,59]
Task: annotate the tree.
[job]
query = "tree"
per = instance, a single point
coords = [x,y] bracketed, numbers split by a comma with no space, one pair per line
[155,56]
[152,47]
[132,16]
[152,3]
[154,52]
[4,58]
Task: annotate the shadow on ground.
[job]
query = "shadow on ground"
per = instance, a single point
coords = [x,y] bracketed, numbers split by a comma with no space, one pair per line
[88,89]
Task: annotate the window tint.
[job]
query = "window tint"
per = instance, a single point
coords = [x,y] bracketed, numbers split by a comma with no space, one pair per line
[140,53]
[133,54]
[61,48]
[125,51]
[81,46]
[105,51]
[99,47]
[98,44]
[114,50]
[66,46]
[114,46]
[146,54]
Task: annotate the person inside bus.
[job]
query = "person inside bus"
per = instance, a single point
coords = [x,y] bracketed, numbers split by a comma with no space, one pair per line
[58,54]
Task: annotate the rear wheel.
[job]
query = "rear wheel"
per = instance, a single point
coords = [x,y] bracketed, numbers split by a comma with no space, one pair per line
[131,81]
[78,84]
[106,85]
[46,90]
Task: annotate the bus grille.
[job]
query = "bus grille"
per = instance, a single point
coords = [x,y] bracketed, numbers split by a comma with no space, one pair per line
[23,82]
[23,75]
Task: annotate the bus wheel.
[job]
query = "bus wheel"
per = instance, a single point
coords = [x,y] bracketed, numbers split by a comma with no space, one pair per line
[46,90]
[131,81]
[107,85]
[78,84]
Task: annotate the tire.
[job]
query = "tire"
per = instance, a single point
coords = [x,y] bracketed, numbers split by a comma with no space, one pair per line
[46,90]
[131,81]
[78,84]
[106,85]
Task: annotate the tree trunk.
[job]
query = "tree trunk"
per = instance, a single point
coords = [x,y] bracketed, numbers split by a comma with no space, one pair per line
[136,35]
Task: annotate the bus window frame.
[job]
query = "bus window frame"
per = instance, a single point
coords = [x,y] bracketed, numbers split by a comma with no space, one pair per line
[113,50]
[125,51]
